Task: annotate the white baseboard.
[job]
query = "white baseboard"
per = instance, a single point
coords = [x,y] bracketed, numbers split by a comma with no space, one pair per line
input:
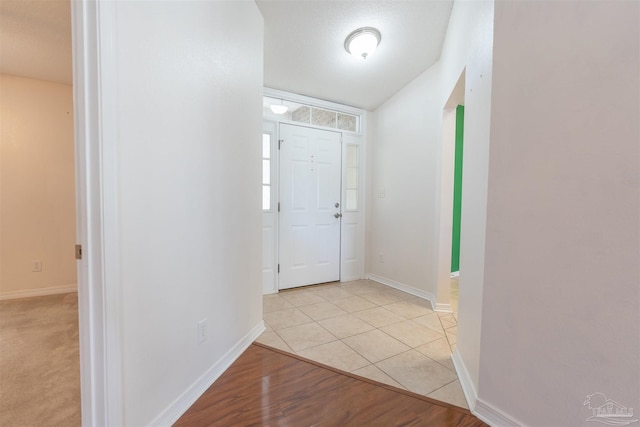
[468,389]
[170,415]
[478,407]
[404,288]
[494,416]
[40,292]
[350,278]
[445,308]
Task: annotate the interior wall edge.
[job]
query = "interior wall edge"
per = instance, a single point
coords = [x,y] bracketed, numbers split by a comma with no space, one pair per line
[478,407]
[469,390]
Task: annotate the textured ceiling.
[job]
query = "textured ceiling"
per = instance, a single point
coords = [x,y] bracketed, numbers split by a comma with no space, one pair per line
[35,39]
[304,41]
[304,46]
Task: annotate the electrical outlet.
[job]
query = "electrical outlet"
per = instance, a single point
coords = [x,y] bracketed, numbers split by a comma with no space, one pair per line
[381,259]
[36,266]
[382,193]
[202,331]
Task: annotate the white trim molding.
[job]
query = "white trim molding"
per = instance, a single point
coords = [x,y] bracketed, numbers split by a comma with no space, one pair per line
[352,269]
[493,416]
[470,392]
[481,409]
[94,72]
[172,413]
[404,288]
[39,292]
[444,308]
[314,102]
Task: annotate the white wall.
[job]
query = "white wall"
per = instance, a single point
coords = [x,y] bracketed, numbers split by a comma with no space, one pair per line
[555,314]
[404,135]
[189,78]
[406,147]
[561,295]
[37,192]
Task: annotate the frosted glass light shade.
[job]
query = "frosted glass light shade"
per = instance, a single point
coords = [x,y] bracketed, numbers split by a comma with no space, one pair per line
[279,109]
[363,42]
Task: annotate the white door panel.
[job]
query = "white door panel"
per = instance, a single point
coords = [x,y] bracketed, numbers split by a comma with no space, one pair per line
[310,183]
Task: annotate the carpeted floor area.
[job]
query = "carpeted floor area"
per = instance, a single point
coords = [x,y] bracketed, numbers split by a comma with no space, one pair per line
[39,361]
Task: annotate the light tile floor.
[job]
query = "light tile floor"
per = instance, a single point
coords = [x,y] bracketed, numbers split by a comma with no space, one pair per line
[371,330]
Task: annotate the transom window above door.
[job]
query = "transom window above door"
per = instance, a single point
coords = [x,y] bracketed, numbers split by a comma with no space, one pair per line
[301,113]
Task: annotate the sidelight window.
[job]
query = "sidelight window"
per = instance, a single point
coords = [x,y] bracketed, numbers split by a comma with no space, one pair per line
[351,186]
[266,171]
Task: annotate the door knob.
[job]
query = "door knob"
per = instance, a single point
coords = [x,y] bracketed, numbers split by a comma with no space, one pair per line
[337,215]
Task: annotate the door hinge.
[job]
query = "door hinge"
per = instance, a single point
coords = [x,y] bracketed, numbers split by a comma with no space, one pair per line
[278,268]
[278,206]
[78,251]
[280,141]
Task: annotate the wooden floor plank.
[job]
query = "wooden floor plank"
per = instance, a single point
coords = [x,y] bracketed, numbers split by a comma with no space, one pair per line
[266,387]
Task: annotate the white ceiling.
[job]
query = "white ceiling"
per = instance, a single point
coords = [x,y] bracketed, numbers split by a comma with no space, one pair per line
[304,44]
[35,39]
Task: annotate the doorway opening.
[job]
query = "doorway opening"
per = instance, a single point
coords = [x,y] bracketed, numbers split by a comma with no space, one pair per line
[313,192]
[38,280]
[451,161]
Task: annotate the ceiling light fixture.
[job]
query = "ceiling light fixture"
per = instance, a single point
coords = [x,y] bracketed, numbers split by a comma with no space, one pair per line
[362,42]
[279,109]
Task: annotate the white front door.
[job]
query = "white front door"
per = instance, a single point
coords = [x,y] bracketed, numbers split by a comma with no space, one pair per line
[310,211]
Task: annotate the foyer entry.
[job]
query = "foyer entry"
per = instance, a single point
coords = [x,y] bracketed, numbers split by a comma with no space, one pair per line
[310,206]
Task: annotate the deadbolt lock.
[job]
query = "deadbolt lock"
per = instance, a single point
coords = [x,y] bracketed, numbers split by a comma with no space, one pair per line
[337,205]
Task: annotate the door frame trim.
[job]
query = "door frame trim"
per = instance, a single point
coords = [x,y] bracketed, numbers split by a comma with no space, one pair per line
[314,102]
[93,25]
[349,138]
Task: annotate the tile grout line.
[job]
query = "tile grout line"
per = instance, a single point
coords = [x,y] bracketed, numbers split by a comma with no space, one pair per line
[451,382]
[283,340]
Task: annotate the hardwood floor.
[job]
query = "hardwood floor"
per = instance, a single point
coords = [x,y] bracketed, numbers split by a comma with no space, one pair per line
[268,387]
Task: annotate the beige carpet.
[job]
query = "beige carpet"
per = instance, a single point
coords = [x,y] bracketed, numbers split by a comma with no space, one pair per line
[39,362]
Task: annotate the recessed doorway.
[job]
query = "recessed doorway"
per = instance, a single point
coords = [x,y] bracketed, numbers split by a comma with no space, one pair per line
[313,191]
